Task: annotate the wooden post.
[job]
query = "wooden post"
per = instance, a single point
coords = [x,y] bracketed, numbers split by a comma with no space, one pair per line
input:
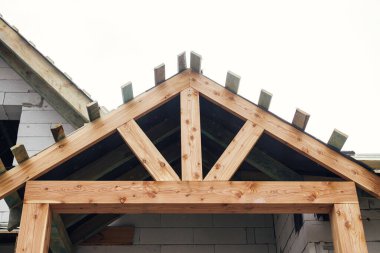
[347,229]
[337,139]
[300,119]
[20,154]
[35,227]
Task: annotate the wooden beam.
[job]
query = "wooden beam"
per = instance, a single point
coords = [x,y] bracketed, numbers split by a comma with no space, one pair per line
[347,229]
[195,62]
[232,82]
[181,62]
[265,99]
[300,119]
[58,132]
[147,153]
[34,232]
[112,236]
[289,135]
[191,147]
[337,139]
[235,153]
[20,154]
[159,74]
[127,92]
[46,79]
[93,111]
[91,134]
[186,197]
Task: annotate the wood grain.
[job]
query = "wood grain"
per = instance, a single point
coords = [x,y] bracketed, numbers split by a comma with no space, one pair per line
[235,153]
[35,228]
[185,197]
[347,229]
[147,153]
[191,148]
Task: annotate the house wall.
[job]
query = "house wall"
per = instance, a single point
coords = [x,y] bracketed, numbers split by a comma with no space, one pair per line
[18,101]
[195,234]
[315,236]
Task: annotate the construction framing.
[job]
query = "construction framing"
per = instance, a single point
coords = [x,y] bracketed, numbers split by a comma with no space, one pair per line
[190,192]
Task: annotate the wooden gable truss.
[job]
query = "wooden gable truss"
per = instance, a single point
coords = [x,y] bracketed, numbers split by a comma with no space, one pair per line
[191,193]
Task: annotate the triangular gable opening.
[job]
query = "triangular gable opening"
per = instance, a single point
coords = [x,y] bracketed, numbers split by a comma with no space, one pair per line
[162,127]
[219,127]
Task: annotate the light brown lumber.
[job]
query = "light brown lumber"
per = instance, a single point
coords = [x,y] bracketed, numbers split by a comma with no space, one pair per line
[187,197]
[347,229]
[34,235]
[191,149]
[147,153]
[91,134]
[235,153]
[289,135]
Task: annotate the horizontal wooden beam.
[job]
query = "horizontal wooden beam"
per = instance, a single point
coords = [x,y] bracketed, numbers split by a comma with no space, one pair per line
[188,197]
[91,134]
[289,135]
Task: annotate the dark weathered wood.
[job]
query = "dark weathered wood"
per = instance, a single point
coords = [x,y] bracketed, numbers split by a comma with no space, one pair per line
[195,62]
[232,82]
[58,90]
[20,154]
[127,92]
[265,99]
[181,62]
[300,119]
[58,132]
[159,74]
[59,239]
[337,139]
[93,111]
[112,236]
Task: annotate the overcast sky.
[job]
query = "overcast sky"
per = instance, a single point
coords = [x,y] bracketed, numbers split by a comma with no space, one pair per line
[320,56]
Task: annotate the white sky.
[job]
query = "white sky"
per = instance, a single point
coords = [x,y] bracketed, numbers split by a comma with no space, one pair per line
[320,56]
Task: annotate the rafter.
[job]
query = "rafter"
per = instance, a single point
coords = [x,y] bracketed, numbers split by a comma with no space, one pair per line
[191,136]
[235,153]
[147,153]
[287,134]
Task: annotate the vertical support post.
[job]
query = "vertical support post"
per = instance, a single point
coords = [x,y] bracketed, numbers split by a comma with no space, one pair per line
[34,235]
[265,99]
[58,132]
[347,229]
[232,82]
[191,148]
